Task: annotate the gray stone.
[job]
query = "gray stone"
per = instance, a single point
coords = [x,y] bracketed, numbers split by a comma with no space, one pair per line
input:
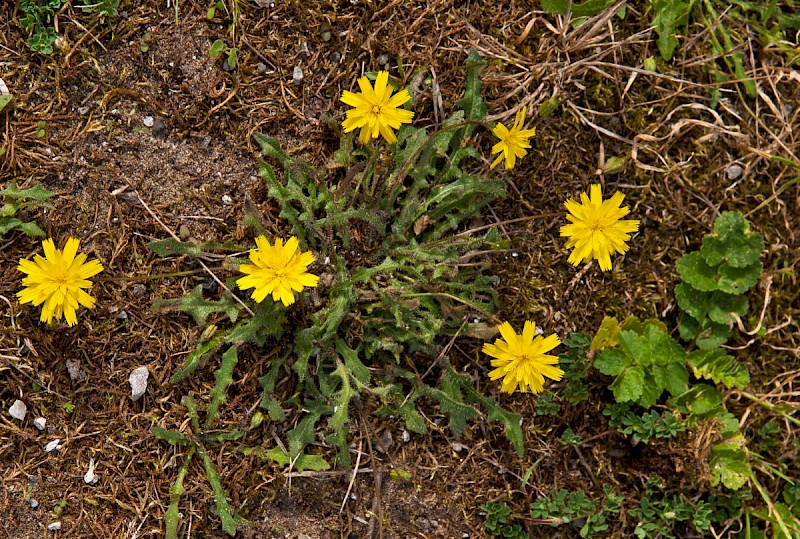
[138,381]
[18,410]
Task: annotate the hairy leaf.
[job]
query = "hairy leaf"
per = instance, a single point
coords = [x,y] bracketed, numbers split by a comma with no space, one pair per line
[224,378]
[220,496]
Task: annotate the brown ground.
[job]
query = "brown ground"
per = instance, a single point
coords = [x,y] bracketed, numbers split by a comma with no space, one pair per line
[108,169]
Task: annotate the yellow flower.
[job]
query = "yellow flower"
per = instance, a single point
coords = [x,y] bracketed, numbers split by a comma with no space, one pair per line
[376,111]
[522,361]
[277,270]
[596,230]
[57,281]
[512,143]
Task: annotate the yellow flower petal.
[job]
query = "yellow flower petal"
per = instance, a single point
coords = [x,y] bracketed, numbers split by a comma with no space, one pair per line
[596,230]
[521,360]
[57,281]
[375,110]
[277,270]
[513,142]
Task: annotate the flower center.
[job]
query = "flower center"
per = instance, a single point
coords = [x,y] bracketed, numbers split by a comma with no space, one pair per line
[376,109]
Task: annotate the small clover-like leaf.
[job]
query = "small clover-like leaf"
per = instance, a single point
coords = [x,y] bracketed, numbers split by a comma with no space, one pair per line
[694,270]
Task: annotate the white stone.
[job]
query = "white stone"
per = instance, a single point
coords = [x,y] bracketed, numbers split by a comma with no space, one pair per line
[89,477]
[226,199]
[18,410]
[52,446]
[148,121]
[39,423]
[138,381]
[54,527]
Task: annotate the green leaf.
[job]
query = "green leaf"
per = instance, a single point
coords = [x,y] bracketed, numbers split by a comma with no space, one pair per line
[217,48]
[712,336]
[692,301]
[651,389]
[172,516]
[732,242]
[739,280]
[37,192]
[452,402]
[723,306]
[170,436]
[5,99]
[629,384]
[694,270]
[269,402]
[359,371]
[700,400]
[607,333]
[220,496]
[472,103]
[677,379]
[729,465]
[200,309]
[611,362]
[224,378]
[558,7]
[303,433]
[196,357]
[29,229]
[717,365]
[668,15]
[311,462]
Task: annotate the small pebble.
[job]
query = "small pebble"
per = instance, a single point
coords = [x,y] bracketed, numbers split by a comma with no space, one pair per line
[261,67]
[18,410]
[33,503]
[297,75]
[74,370]
[122,315]
[734,171]
[139,290]
[406,436]
[39,423]
[138,381]
[383,59]
[148,121]
[54,527]
[226,199]
[53,446]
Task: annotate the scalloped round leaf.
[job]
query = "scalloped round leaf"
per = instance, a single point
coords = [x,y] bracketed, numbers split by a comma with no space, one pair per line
[739,280]
[689,328]
[732,242]
[713,336]
[724,306]
[694,270]
[651,391]
[692,301]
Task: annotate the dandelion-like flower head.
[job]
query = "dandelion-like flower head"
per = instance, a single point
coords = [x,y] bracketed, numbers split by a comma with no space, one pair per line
[522,360]
[279,270]
[57,281]
[513,142]
[376,111]
[596,230]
